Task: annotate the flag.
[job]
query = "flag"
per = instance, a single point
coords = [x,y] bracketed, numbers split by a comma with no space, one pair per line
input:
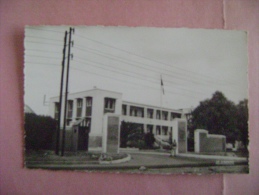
[162,85]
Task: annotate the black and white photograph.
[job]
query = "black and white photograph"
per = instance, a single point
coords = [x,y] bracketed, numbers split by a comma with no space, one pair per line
[136,99]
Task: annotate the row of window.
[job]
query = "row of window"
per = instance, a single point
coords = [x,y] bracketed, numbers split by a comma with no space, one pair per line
[139,112]
[164,130]
[109,106]
[79,108]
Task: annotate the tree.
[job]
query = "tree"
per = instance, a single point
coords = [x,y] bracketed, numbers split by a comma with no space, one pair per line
[242,121]
[124,132]
[131,134]
[217,115]
[39,132]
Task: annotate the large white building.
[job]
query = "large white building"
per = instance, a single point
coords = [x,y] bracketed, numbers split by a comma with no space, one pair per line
[93,104]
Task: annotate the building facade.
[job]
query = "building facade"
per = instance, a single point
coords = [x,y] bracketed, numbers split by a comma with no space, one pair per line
[93,104]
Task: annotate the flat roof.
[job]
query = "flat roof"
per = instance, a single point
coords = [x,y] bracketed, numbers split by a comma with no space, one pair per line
[94,89]
[148,105]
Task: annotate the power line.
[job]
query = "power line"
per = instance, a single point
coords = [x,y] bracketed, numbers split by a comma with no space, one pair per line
[189,79]
[49,39]
[146,58]
[178,77]
[154,68]
[43,43]
[39,50]
[30,27]
[46,64]
[113,71]
[122,72]
[143,77]
[130,82]
[131,53]
[46,57]
[155,82]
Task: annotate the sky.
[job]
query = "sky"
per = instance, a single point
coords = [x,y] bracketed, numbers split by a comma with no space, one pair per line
[192,63]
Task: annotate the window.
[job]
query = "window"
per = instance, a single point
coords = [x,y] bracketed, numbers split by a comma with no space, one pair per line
[89,101]
[164,115]
[56,110]
[150,128]
[136,111]
[172,116]
[79,107]
[158,114]
[175,115]
[150,113]
[164,130]
[69,108]
[158,130]
[124,109]
[109,105]
[88,110]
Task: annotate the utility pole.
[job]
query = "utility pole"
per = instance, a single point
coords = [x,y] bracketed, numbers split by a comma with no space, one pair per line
[60,94]
[66,92]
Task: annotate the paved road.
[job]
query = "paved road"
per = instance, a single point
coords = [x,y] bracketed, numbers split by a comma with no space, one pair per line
[137,160]
[156,160]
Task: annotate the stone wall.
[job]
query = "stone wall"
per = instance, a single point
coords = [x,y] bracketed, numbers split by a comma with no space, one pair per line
[204,142]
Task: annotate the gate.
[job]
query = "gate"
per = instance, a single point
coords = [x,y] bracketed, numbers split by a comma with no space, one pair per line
[81,134]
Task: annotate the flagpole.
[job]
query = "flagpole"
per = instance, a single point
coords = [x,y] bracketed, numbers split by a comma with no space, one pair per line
[161,91]
[161,101]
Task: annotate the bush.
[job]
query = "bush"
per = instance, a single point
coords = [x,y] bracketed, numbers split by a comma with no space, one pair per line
[167,147]
[149,140]
[39,131]
[132,144]
[136,144]
[131,134]
[141,144]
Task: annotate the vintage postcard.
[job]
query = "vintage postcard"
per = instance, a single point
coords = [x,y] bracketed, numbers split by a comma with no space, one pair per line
[136,99]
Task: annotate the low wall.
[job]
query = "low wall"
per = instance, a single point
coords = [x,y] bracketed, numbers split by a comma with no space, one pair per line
[72,140]
[95,141]
[204,142]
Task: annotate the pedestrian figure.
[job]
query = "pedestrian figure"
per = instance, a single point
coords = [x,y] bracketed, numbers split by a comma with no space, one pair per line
[173,150]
